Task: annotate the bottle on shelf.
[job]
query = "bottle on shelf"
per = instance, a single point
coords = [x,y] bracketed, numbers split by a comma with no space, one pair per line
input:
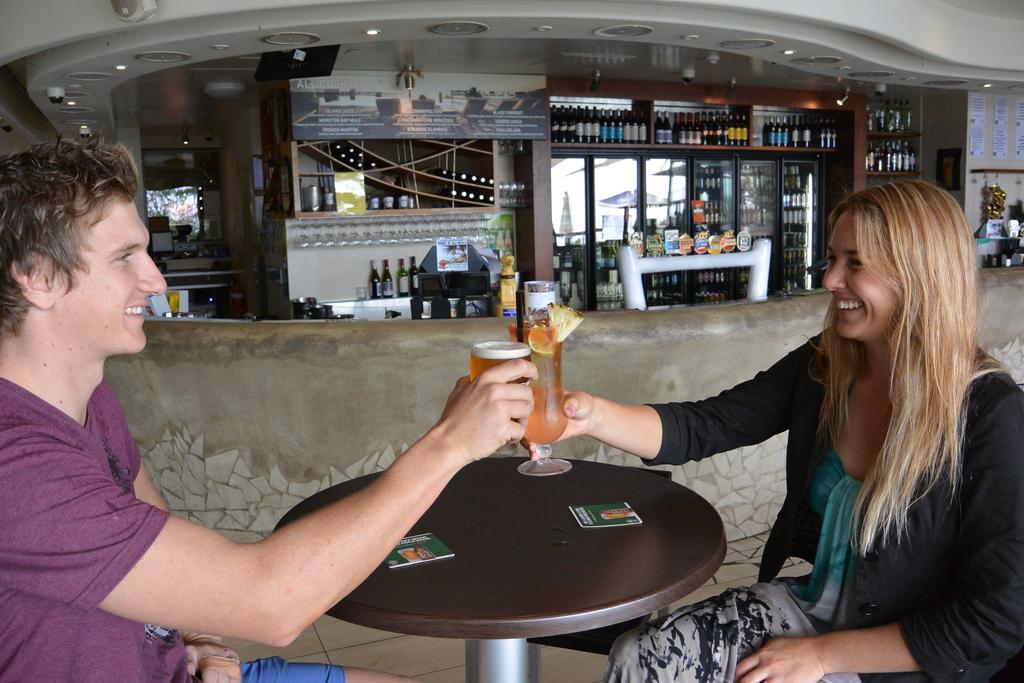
[375,286]
[403,278]
[414,277]
[387,283]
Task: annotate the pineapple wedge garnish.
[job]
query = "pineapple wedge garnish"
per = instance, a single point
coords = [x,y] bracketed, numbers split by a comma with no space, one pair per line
[564,319]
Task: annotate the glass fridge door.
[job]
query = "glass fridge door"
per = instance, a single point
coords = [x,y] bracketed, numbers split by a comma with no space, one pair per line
[668,217]
[615,222]
[569,221]
[713,187]
[758,200]
[800,232]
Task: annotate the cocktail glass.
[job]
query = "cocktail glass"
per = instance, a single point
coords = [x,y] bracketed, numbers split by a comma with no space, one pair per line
[548,420]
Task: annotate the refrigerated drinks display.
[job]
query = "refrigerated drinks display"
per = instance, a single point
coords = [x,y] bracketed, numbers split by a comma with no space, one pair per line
[667,217]
[714,195]
[673,203]
[799,229]
[758,205]
[616,207]
[569,221]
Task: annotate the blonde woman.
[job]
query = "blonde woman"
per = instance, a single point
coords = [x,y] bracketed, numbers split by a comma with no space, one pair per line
[905,469]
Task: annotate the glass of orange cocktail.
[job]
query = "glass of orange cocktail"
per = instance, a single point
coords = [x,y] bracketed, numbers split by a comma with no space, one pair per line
[548,420]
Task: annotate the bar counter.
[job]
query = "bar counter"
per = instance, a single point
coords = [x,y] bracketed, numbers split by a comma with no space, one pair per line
[238,422]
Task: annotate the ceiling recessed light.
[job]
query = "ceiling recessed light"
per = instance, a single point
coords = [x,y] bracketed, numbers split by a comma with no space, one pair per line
[74,110]
[121,67]
[88,76]
[75,94]
[80,122]
[690,36]
[71,103]
[220,46]
[946,82]
[789,52]
[1017,87]
[291,38]
[458,28]
[986,85]
[163,56]
[543,29]
[820,59]
[910,78]
[623,31]
[373,31]
[844,67]
[746,44]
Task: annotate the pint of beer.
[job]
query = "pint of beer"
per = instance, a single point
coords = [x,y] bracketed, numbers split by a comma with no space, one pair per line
[487,354]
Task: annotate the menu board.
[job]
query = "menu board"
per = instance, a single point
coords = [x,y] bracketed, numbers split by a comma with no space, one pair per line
[1000,126]
[976,108]
[376,105]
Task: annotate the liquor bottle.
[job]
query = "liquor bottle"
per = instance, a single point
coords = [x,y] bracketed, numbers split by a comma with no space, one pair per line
[414,277]
[641,129]
[387,283]
[375,289]
[403,278]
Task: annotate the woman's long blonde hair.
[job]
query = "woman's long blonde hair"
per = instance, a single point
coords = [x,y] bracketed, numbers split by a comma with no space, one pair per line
[913,236]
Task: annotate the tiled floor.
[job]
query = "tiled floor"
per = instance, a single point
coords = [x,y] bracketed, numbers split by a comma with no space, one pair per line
[440,660]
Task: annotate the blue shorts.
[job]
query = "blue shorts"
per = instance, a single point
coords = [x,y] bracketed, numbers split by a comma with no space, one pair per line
[277,670]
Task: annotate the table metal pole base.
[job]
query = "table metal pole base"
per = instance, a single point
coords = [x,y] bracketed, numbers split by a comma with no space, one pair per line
[496,661]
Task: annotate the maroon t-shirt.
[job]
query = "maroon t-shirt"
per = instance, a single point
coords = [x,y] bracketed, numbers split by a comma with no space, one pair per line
[70,529]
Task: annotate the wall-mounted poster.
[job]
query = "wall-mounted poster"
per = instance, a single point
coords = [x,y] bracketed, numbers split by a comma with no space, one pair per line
[374,105]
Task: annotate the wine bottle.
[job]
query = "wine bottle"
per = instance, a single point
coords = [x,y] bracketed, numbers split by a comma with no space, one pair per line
[387,283]
[403,278]
[414,277]
[375,289]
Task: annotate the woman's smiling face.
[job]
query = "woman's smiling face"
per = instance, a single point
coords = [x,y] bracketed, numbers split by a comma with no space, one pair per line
[864,301]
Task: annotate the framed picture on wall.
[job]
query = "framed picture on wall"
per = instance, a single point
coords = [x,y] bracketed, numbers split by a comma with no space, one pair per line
[947,168]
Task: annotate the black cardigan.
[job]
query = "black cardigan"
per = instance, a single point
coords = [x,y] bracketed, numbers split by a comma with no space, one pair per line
[955,584]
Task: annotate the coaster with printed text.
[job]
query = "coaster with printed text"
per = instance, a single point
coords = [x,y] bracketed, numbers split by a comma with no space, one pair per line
[605,514]
[416,549]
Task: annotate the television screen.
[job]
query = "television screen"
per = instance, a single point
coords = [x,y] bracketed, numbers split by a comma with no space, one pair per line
[303,62]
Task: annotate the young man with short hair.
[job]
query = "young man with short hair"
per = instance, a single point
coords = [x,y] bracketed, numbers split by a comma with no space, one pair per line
[90,559]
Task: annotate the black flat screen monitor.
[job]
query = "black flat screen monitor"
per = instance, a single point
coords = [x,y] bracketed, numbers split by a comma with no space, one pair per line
[304,62]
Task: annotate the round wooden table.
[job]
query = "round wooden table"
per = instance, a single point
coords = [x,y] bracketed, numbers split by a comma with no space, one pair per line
[524,568]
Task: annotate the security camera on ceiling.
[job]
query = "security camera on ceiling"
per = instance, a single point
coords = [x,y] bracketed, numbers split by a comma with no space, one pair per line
[56,94]
[688,75]
[134,10]
[879,89]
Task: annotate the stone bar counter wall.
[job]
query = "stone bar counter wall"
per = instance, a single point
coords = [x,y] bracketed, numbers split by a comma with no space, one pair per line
[238,422]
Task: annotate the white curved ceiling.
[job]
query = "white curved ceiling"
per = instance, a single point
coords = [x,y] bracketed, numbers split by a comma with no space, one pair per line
[918,40]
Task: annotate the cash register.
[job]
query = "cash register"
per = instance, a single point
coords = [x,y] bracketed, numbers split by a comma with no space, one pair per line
[454,293]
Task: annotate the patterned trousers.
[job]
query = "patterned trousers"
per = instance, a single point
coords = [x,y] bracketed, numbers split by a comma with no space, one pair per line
[703,643]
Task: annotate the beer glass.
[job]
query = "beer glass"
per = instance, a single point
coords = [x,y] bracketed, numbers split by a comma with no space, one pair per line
[548,420]
[487,354]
